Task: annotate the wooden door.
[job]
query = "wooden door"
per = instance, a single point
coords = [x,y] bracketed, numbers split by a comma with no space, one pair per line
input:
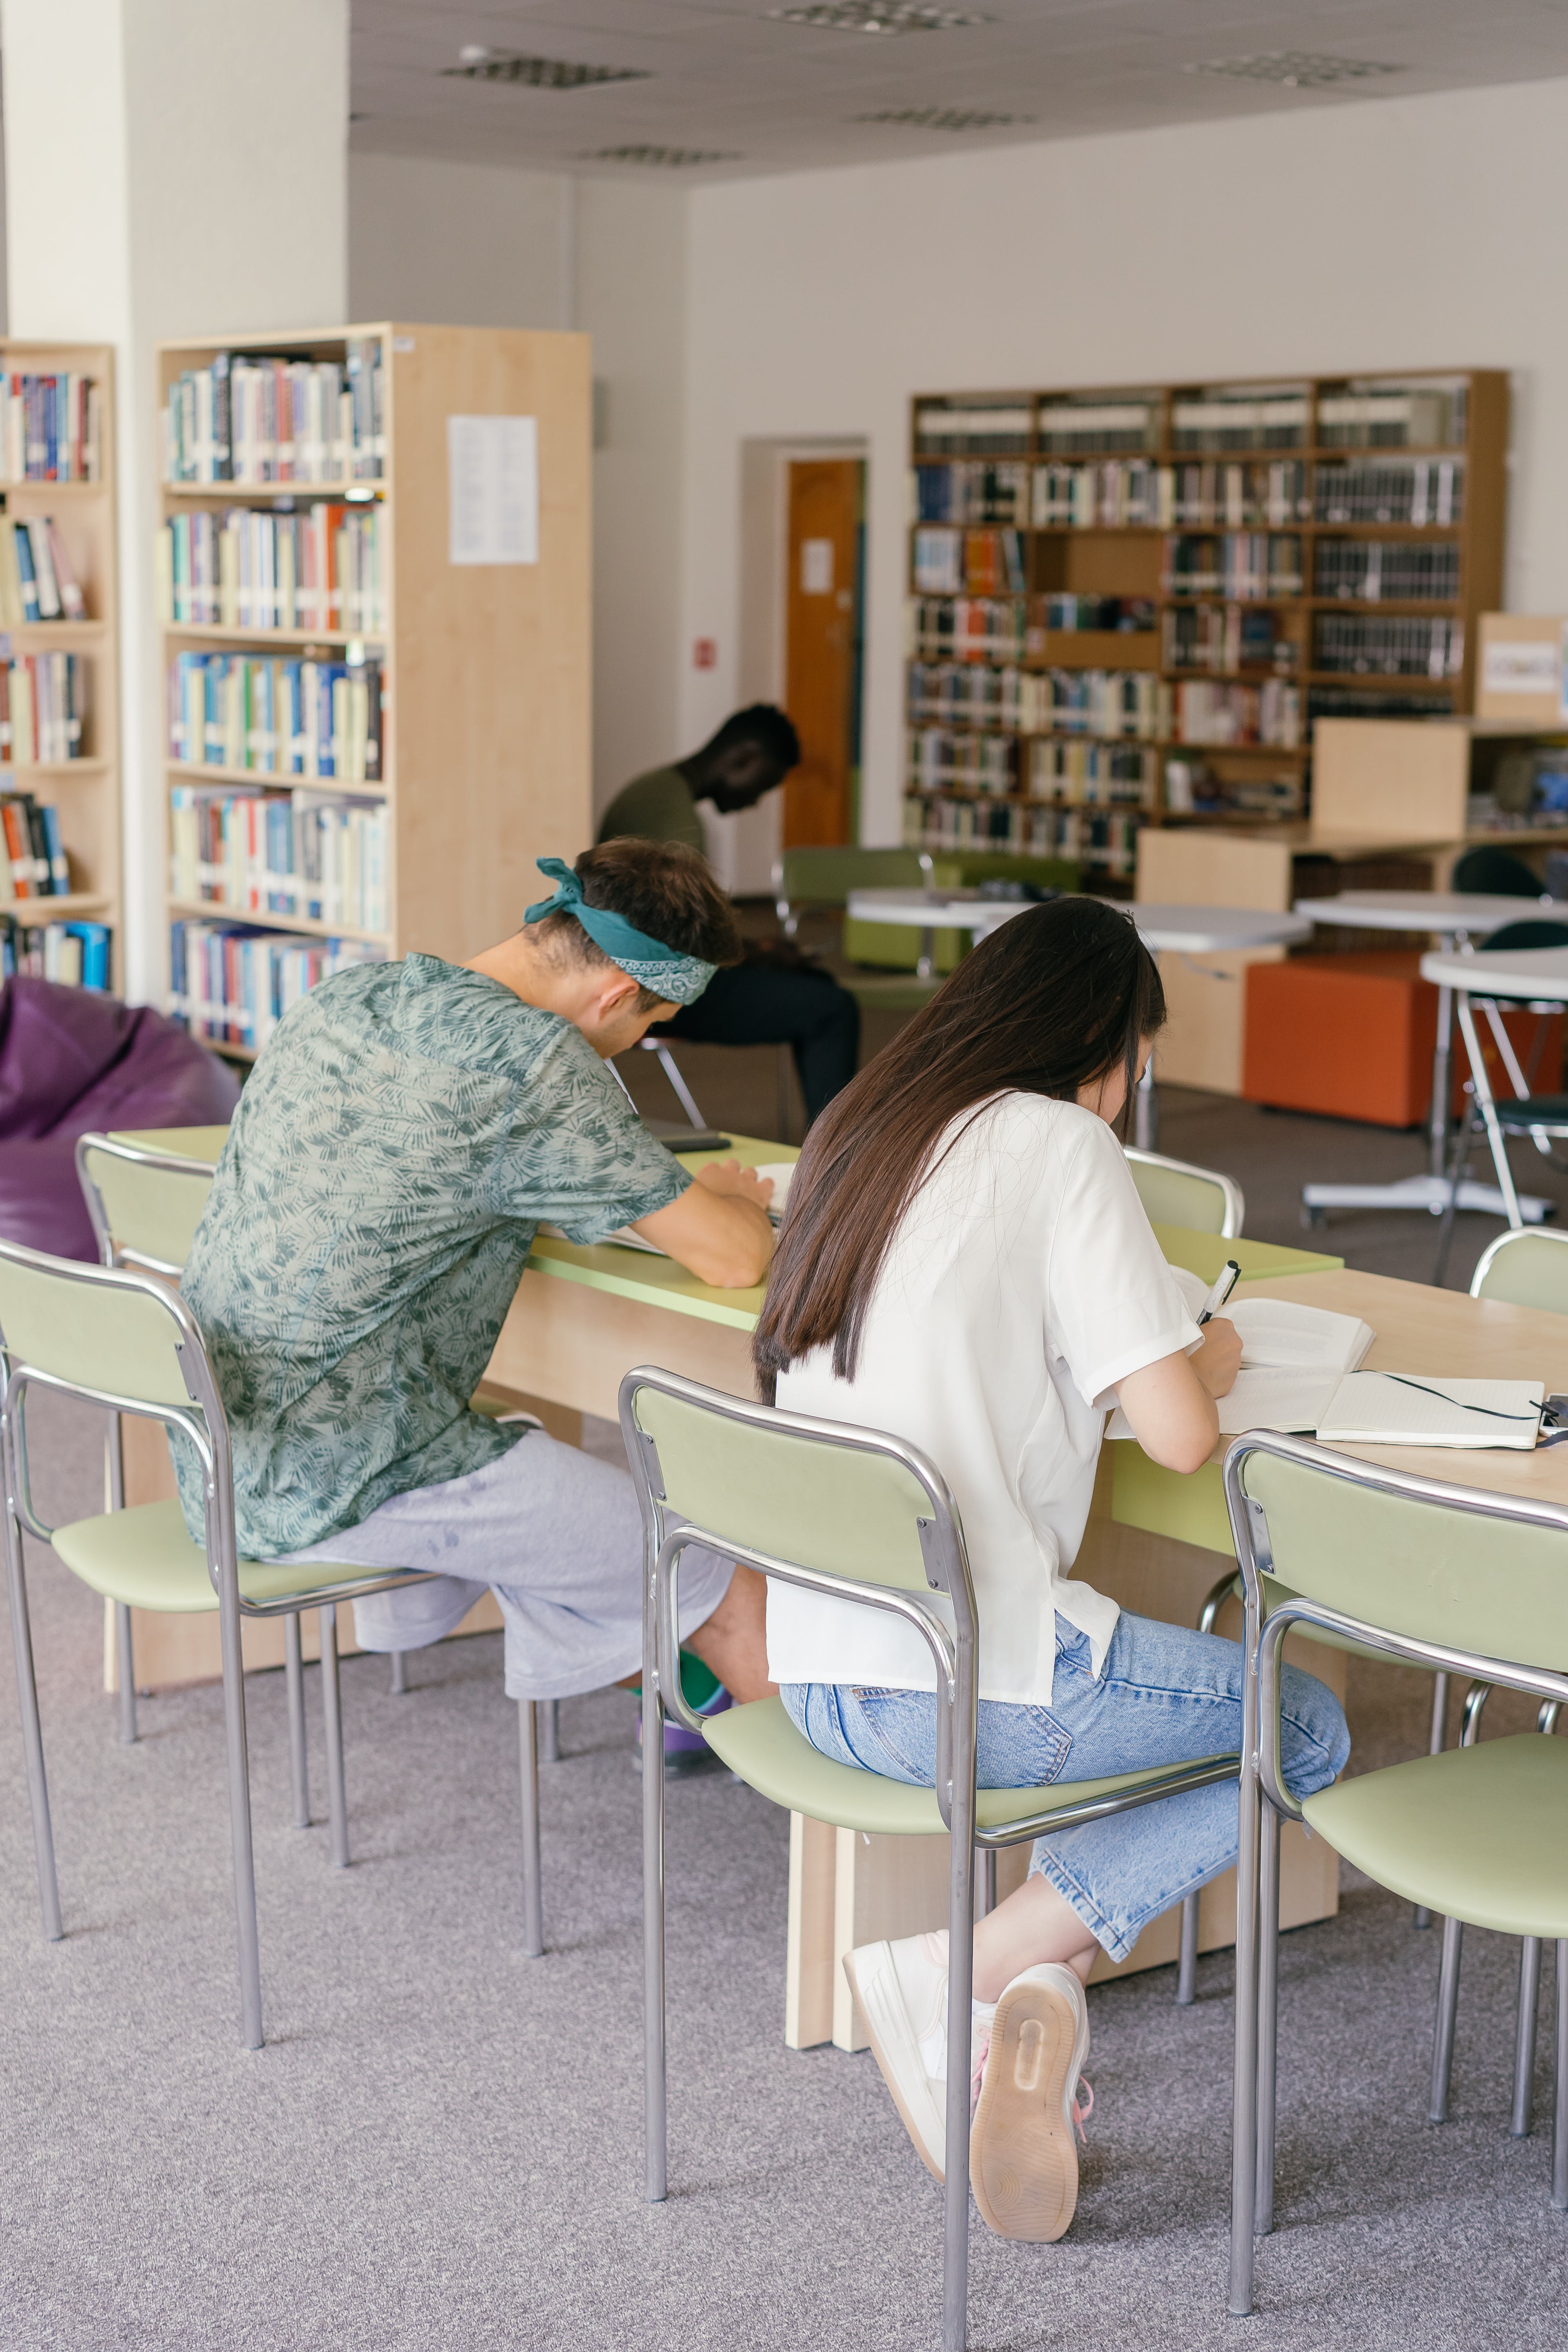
[822,662]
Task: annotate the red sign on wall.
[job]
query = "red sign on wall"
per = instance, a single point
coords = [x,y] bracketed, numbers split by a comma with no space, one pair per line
[705,654]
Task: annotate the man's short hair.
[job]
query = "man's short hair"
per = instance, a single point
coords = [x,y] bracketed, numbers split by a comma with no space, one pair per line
[764,724]
[663,889]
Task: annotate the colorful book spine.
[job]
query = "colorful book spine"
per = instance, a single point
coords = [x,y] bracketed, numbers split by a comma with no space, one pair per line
[299,855]
[43,702]
[254,419]
[76,955]
[269,715]
[234,983]
[49,428]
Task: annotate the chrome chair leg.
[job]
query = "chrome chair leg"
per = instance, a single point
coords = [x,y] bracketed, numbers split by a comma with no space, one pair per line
[1524,2037]
[550,1731]
[332,1710]
[398,1686]
[1187,1965]
[125,1669]
[239,1826]
[533,1893]
[1421,1916]
[1267,2012]
[960,1996]
[294,1685]
[1476,1698]
[1559,2105]
[32,1735]
[655,2079]
[986,1884]
[1243,2129]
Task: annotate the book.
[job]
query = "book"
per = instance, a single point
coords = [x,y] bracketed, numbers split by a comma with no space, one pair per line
[77,955]
[1417,1409]
[42,707]
[779,1172]
[270,715]
[232,982]
[247,417]
[49,427]
[322,567]
[1293,1358]
[301,854]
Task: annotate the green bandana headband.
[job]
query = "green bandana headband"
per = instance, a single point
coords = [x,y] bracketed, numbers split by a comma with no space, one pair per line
[678,978]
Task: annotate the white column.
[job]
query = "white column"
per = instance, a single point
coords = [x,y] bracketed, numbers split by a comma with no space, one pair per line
[173,168]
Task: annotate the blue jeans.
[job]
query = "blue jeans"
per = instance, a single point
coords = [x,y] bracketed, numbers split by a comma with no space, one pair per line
[1166,1695]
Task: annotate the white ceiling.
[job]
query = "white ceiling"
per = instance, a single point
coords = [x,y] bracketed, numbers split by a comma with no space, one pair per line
[774,97]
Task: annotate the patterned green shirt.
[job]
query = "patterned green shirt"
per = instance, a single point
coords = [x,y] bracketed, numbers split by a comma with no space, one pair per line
[407,1128]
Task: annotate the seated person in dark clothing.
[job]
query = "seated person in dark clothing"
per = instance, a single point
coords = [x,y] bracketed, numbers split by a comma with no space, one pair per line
[774,997]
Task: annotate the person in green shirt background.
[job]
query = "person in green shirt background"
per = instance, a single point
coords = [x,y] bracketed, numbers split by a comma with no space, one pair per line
[773,996]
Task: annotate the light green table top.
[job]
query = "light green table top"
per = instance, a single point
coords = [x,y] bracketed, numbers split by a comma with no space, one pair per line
[658,1282]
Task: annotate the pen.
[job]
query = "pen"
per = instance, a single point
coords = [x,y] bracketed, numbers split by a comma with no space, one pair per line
[1228,1276]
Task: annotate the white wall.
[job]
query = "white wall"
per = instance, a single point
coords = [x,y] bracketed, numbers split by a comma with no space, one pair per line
[471,244]
[1422,232]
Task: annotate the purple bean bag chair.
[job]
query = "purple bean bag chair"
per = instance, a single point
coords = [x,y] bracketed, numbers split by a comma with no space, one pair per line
[74,1062]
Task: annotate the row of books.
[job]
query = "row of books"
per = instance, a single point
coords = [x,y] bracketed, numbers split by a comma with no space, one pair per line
[48,428]
[1428,413]
[250,567]
[983,562]
[1036,702]
[233,983]
[962,428]
[1210,713]
[1397,570]
[295,853]
[1192,789]
[969,628]
[1245,564]
[244,419]
[1138,494]
[1383,645]
[1124,615]
[37,578]
[1102,838]
[976,763]
[77,955]
[34,864]
[43,703]
[274,716]
[1429,493]
[1225,637]
[1091,775]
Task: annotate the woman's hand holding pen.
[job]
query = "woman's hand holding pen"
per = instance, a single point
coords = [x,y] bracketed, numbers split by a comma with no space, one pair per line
[1217,1361]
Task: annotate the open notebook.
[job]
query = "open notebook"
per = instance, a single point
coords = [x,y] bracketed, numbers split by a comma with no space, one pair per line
[1293,1359]
[1412,1409]
[781,1170]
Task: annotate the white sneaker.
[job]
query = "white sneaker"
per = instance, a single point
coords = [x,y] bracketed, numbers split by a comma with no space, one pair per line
[903,1991]
[1022,2162]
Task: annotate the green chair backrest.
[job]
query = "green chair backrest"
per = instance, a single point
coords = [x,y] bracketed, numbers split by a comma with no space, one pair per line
[148,1204]
[976,866]
[110,1332]
[1175,1193]
[849,1511]
[1496,874]
[825,877]
[1525,1268]
[1425,1567]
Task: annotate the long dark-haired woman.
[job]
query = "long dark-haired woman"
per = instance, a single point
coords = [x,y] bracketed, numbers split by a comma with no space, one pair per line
[965,1262]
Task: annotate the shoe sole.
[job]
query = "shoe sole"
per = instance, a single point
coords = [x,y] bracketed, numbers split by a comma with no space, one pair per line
[887,2026]
[1022,2163]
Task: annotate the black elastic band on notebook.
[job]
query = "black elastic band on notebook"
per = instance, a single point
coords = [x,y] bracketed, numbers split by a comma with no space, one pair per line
[1459,1406]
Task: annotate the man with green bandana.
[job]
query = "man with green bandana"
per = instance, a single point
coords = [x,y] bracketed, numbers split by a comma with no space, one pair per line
[403,1134]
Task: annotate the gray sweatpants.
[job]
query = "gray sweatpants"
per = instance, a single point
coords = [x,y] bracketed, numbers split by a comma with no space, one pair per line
[555,1534]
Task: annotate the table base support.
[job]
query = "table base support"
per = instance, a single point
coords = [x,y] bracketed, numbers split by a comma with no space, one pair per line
[1429,1192]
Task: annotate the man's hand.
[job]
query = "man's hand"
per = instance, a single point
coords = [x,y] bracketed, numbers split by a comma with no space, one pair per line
[719,1228]
[1218,1360]
[728,1176]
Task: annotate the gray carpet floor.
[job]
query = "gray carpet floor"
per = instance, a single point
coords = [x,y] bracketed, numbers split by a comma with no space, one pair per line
[439,2147]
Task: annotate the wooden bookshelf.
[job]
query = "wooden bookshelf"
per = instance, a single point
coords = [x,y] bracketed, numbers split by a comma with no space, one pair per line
[85,791]
[484,667]
[1219,553]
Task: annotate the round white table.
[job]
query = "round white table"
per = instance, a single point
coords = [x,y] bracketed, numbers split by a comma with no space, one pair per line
[1538,975]
[1452,917]
[1163,930]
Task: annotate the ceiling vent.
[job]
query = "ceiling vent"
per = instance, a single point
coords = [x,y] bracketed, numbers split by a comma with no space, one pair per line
[1293,70]
[475,64]
[866,16]
[944,118]
[675,159]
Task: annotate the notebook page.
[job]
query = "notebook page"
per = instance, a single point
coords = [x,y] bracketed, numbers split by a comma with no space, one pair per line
[1418,1409]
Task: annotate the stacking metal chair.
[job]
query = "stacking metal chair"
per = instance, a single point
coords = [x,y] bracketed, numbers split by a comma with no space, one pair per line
[1525,1266]
[1175,1192]
[124,1341]
[1445,1577]
[1542,1118]
[869,1520]
[145,1205]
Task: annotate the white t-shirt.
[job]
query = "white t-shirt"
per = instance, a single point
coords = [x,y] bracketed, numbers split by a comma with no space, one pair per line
[1022,1284]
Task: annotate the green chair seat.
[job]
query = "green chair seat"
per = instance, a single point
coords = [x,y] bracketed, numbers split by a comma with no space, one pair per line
[1534,1111]
[143,1557]
[1477,1833]
[761,1743]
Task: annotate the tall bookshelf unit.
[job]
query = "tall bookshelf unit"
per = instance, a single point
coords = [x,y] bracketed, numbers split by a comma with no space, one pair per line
[84,790]
[1130,606]
[482,668]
